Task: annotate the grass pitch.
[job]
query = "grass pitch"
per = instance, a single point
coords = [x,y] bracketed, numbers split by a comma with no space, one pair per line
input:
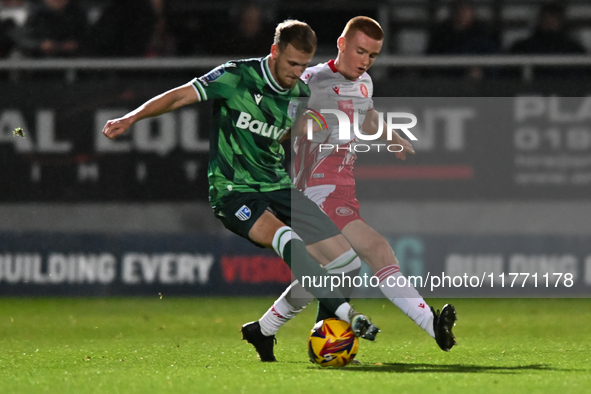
[152,345]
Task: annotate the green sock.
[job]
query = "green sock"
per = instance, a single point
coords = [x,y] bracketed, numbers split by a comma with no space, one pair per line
[323,312]
[305,265]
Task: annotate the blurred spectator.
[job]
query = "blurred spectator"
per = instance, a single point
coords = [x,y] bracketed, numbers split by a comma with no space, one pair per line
[53,28]
[247,34]
[462,34]
[550,36]
[163,41]
[7,28]
[123,29]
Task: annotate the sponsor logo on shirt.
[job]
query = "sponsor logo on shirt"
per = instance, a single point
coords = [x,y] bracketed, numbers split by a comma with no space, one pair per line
[336,89]
[245,122]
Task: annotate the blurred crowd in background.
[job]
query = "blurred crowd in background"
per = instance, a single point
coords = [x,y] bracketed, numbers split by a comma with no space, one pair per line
[159,28]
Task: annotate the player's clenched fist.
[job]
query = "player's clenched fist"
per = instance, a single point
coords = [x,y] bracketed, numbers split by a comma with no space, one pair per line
[116,127]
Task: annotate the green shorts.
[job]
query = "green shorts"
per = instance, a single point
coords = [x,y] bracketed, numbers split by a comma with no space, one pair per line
[239,211]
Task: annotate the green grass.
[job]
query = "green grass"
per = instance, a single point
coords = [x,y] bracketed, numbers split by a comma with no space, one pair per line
[177,345]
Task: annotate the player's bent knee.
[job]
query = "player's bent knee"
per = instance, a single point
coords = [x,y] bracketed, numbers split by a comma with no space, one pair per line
[264,229]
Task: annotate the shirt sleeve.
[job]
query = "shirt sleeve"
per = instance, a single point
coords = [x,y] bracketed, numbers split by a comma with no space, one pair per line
[221,82]
[308,75]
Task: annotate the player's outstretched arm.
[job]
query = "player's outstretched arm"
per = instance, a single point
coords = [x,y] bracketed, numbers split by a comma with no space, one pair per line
[165,102]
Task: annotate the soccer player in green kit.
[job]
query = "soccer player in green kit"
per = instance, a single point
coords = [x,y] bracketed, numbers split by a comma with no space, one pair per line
[249,189]
[326,176]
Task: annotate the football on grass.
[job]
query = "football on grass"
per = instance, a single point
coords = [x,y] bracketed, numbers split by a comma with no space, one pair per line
[332,343]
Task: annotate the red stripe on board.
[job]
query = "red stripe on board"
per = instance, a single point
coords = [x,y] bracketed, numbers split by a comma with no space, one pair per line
[414,172]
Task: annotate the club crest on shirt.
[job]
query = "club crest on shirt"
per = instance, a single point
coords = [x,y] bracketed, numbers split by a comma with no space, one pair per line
[342,211]
[363,89]
[292,108]
[243,213]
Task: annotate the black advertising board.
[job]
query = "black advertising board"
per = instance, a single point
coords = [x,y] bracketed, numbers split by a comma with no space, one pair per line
[93,264]
[468,148]
[64,156]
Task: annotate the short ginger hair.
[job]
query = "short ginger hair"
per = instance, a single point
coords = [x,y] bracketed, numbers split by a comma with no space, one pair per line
[366,25]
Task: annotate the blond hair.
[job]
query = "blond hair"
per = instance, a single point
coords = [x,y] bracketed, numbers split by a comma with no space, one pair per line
[296,33]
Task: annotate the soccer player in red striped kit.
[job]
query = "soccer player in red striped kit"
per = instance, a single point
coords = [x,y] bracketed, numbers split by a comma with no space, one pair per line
[326,177]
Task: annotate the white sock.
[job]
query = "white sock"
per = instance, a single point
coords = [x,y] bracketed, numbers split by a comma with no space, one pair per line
[346,262]
[295,298]
[282,236]
[344,311]
[283,310]
[405,297]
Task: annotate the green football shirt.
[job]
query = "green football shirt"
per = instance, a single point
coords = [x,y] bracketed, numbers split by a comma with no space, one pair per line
[251,113]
